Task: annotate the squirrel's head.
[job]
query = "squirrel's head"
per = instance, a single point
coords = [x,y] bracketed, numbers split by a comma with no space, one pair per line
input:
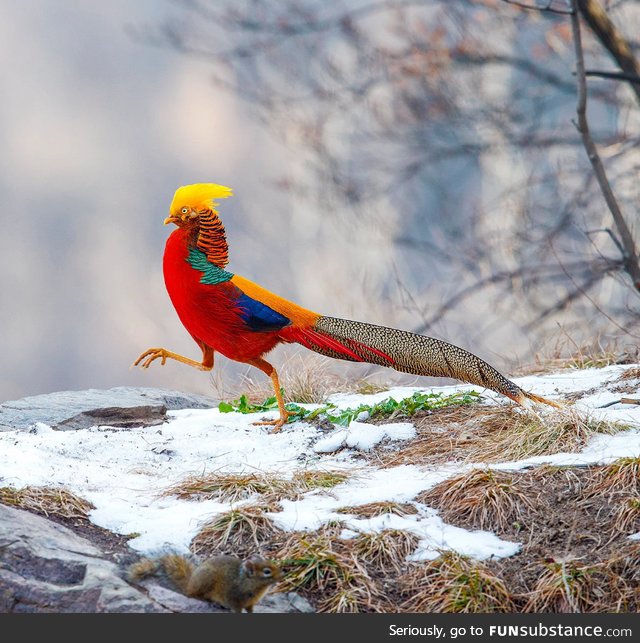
[262,569]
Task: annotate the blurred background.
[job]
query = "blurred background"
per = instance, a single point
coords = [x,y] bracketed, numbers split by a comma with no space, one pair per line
[404,163]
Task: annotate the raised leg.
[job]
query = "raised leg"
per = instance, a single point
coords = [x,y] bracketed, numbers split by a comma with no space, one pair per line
[266,368]
[161,353]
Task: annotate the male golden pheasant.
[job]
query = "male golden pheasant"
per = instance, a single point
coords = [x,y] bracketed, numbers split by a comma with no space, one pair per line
[229,314]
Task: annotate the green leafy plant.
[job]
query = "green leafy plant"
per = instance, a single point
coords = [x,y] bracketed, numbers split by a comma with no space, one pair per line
[343,417]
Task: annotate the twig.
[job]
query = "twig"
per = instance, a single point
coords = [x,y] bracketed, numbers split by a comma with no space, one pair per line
[622,400]
[548,6]
[613,237]
[630,255]
[613,75]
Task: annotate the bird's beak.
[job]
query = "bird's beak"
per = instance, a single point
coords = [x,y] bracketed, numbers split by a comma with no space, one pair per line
[171,219]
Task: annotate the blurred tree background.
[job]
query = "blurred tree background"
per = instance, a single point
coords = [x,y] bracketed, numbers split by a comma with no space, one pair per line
[413,163]
[436,141]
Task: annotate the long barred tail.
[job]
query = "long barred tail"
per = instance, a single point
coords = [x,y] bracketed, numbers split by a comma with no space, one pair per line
[406,352]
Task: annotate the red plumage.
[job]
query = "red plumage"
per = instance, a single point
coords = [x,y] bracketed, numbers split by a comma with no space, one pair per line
[210,312]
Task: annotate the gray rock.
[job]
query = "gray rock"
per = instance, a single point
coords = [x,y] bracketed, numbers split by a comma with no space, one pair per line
[45,567]
[273,603]
[120,407]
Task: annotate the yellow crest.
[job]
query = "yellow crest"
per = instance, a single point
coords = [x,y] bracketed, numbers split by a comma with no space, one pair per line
[199,196]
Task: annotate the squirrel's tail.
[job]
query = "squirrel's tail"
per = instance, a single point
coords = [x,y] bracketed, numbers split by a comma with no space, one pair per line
[178,569]
[172,567]
[142,569]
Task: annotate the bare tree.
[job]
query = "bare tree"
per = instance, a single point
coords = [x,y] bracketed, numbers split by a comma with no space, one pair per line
[448,126]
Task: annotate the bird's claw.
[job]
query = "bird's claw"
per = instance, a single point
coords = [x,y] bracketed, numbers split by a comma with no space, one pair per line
[277,424]
[150,355]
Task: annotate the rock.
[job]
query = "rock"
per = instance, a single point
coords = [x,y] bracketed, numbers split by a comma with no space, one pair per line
[45,567]
[120,407]
[273,603]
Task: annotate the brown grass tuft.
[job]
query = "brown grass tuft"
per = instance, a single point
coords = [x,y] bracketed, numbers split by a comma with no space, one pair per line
[488,499]
[318,479]
[243,529]
[448,434]
[568,586]
[562,351]
[527,434]
[625,572]
[386,550]
[626,519]
[322,564]
[621,476]
[454,583]
[232,487]
[630,374]
[372,509]
[48,501]
[496,434]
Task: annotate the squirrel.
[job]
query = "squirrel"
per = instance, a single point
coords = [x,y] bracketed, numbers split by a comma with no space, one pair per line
[233,583]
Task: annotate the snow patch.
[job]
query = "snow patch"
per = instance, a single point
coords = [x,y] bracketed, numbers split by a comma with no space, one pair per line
[123,472]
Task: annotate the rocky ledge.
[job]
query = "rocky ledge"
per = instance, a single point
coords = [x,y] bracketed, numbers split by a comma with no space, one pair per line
[46,566]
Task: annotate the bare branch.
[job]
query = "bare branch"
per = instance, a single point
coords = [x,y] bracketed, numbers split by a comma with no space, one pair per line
[612,236]
[613,75]
[548,6]
[610,37]
[630,255]
[595,271]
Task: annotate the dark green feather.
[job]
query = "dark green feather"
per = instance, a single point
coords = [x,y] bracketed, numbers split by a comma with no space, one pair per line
[211,274]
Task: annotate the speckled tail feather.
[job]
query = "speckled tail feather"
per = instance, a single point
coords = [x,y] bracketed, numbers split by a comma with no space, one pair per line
[410,353]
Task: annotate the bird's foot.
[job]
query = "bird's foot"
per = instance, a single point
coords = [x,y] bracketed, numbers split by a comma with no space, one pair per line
[277,424]
[150,355]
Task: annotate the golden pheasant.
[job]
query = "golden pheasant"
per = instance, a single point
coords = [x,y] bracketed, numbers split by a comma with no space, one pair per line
[231,315]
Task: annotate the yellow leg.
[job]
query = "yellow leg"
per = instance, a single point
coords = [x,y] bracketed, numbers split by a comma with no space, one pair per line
[265,367]
[161,353]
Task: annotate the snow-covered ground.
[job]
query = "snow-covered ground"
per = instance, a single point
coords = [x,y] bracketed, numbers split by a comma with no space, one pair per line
[123,471]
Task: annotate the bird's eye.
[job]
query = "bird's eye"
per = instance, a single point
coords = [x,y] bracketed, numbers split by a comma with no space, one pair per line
[185,210]
[266,572]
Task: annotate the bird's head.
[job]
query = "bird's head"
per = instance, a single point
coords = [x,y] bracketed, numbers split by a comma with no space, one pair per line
[191,201]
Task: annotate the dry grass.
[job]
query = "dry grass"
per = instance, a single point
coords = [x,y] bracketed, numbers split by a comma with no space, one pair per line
[232,487]
[624,568]
[372,509]
[488,499]
[619,477]
[524,434]
[495,434]
[307,380]
[235,487]
[627,516]
[447,434]
[240,530]
[322,564]
[630,374]
[454,583]
[562,351]
[48,501]
[386,550]
[318,479]
[568,586]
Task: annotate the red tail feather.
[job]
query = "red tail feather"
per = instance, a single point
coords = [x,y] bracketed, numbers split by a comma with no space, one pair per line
[312,339]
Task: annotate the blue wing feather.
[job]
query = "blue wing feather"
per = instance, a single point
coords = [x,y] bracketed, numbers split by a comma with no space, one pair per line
[260,317]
